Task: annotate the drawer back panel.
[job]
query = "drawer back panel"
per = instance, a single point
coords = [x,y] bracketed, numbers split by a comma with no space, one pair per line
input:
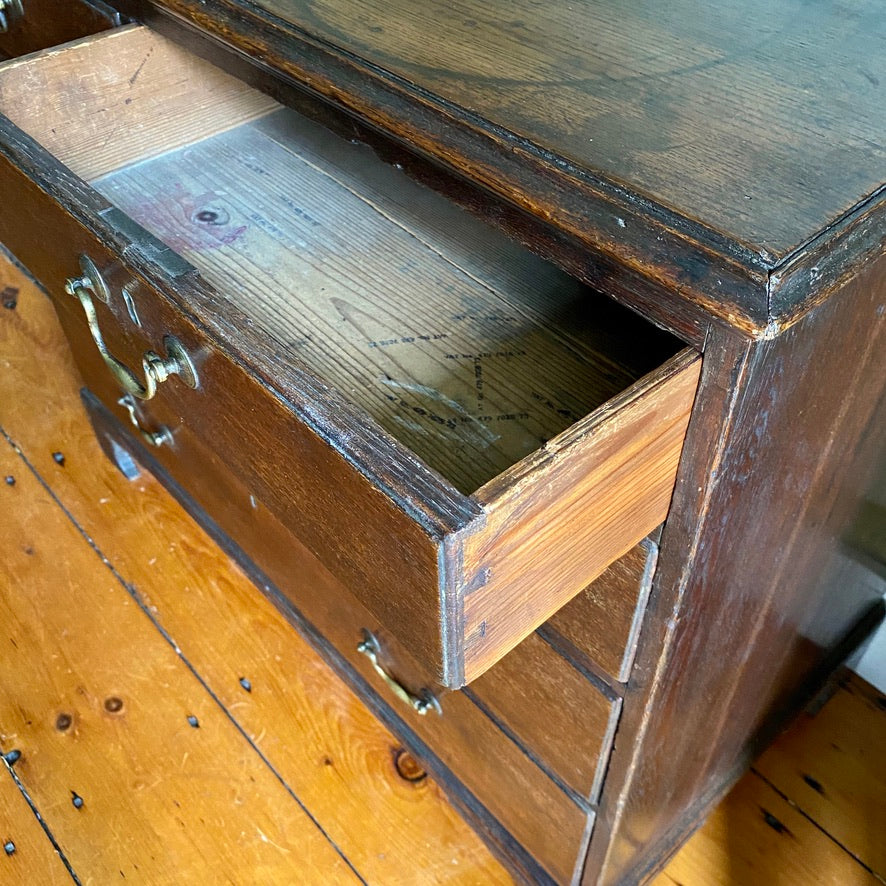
[48,23]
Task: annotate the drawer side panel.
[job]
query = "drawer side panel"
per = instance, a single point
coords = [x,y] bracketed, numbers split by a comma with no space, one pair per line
[550,533]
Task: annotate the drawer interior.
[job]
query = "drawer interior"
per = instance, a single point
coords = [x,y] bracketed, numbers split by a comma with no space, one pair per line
[469,350]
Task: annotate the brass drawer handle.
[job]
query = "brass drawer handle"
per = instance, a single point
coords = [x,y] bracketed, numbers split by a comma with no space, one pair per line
[156,368]
[152,438]
[421,703]
[10,12]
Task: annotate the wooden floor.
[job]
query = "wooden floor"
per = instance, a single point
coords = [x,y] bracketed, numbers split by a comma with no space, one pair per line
[172,727]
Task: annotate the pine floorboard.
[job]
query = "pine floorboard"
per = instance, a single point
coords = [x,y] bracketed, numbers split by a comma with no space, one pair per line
[120,620]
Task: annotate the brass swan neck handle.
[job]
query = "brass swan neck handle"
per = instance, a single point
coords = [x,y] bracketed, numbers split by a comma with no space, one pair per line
[156,369]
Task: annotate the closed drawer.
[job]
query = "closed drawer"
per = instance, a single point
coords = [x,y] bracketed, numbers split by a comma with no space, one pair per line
[502,739]
[466,443]
[601,625]
[38,24]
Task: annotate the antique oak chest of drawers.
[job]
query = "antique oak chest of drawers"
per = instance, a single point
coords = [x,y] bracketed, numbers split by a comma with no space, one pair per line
[530,357]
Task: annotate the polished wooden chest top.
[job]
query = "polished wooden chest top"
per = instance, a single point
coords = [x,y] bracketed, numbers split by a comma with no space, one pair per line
[729,151]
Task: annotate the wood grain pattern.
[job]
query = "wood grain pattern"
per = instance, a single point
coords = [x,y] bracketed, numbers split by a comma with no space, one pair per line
[548,534]
[755,836]
[470,378]
[345,487]
[711,857]
[418,505]
[468,743]
[497,769]
[46,24]
[297,712]
[744,617]
[694,109]
[26,855]
[564,720]
[464,743]
[734,262]
[602,623]
[486,757]
[832,767]
[91,726]
[120,97]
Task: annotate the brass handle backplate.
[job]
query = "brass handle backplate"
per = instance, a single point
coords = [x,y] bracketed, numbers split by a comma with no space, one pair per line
[156,368]
[421,703]
[10,12]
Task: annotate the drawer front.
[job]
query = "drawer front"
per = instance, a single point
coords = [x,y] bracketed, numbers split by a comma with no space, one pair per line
[344,517]
[488,752]
[566,721]
[39,24]
[459,579]
[534,693]
[602,624]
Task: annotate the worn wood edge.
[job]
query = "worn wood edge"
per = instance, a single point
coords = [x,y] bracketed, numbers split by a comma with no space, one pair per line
[452,611]
[499,840]
[581,661]
[606,751]
[584,803]
[663,306]
[611,685]
[35,57]
[726,364]
[530,468]
[652,552]
[411,486]
[510,498]
[717,261]
[578,869]
[807,278]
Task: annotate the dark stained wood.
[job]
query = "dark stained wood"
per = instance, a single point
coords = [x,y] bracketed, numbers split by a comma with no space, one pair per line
[788,303]
[49,23]
[693,107]
[555,712]
[317,735]
[602,624]
[469,374]
[671,147]
[792,435]
[289,479]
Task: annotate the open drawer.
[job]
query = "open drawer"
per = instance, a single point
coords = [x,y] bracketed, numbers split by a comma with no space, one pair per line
[463,435]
